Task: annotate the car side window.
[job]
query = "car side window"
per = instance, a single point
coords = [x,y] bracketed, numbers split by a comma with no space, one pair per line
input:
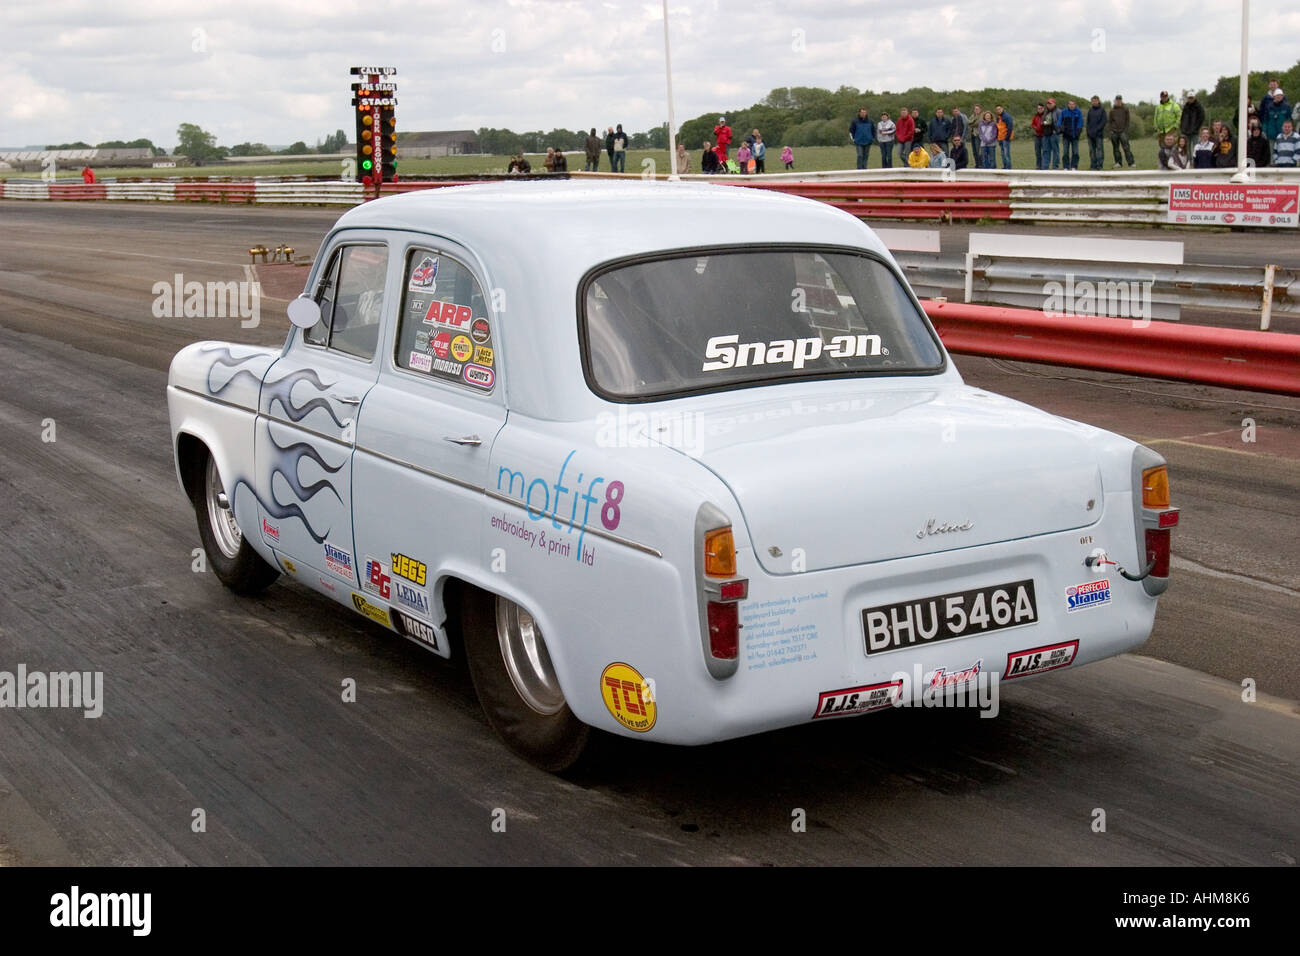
[444,330]
[351,297]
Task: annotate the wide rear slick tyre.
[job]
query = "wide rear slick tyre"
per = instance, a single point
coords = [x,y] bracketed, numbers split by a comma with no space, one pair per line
[516,684]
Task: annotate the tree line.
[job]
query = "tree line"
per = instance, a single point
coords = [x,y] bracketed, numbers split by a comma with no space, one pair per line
[812,116]
[787,116]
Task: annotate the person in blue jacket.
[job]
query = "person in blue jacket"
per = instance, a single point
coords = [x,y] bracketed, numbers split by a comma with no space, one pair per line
[940,130]
[1071,130]
[863,133]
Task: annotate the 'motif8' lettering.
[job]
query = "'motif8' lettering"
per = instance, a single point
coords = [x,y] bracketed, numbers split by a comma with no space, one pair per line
[540,506]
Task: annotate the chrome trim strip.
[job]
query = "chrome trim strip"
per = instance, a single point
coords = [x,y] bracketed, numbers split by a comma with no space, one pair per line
[333,439]
[213,398]
[468,486]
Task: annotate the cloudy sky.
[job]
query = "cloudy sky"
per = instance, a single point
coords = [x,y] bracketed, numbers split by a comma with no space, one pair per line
[276,71]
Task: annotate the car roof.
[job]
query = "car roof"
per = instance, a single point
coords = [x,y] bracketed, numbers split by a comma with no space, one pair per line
[537,239]
[591,221]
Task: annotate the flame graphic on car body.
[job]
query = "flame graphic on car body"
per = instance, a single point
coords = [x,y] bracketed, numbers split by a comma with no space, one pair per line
[245,376]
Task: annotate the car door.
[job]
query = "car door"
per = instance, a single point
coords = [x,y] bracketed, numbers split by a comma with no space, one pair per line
[425,435]
[306,426]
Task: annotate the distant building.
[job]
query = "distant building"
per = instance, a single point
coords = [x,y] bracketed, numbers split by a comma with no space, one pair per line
[38,159]
[450,142]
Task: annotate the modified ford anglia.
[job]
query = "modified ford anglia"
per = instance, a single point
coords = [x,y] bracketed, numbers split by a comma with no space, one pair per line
[685,462]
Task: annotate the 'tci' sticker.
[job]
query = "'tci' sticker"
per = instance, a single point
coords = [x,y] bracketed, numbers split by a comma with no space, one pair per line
[628,697]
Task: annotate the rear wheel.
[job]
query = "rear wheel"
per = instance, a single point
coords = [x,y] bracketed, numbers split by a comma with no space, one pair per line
[516,683]
[232,559]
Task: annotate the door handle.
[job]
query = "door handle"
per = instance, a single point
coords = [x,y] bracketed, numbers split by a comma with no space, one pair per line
[465,440]
[347,399]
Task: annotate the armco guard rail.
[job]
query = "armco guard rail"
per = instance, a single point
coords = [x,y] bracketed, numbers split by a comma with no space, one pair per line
[1229,358]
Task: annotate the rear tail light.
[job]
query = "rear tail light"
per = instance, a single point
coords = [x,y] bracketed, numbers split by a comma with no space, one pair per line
[724,630]
[1158,551]
[715,550]
[1155,519]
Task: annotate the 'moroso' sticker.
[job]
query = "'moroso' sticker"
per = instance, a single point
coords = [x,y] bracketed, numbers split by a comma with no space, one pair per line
[628,697]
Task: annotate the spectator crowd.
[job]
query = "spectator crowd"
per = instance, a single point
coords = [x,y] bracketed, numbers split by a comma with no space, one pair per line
[960,140]
[1185,138]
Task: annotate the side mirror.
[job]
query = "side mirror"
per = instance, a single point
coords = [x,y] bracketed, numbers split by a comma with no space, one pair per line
[304,312]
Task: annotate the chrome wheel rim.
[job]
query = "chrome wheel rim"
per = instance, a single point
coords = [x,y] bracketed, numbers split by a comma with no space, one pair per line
[221,517]
[523,650]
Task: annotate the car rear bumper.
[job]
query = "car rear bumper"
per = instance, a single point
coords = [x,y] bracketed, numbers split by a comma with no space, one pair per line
[803,635]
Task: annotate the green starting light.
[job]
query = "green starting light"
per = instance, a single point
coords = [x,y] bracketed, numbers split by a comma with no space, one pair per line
[367,164]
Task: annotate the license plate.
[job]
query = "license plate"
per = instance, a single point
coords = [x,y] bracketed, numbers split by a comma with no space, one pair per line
[892,627]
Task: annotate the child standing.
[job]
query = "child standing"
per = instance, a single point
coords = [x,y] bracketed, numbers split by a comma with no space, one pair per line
[787,157]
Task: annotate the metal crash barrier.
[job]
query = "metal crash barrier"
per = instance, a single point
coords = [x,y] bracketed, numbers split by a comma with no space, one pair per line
[1230,358]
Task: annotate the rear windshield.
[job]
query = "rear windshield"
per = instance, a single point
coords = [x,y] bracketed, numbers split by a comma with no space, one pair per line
[722,319]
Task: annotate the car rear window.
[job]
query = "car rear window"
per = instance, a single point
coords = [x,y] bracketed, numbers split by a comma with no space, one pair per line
[714,319]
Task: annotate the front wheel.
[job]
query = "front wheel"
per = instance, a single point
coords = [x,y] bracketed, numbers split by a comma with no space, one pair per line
[233,560]
[516,683]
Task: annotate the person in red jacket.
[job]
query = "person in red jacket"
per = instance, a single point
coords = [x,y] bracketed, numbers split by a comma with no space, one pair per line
[88,176]
[905,130]
[722,133]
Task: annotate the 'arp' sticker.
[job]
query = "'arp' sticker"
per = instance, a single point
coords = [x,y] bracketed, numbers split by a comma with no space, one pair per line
[479,375]
[480,331]
[423,276]
[447,313]
[628,697]
[462,348]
